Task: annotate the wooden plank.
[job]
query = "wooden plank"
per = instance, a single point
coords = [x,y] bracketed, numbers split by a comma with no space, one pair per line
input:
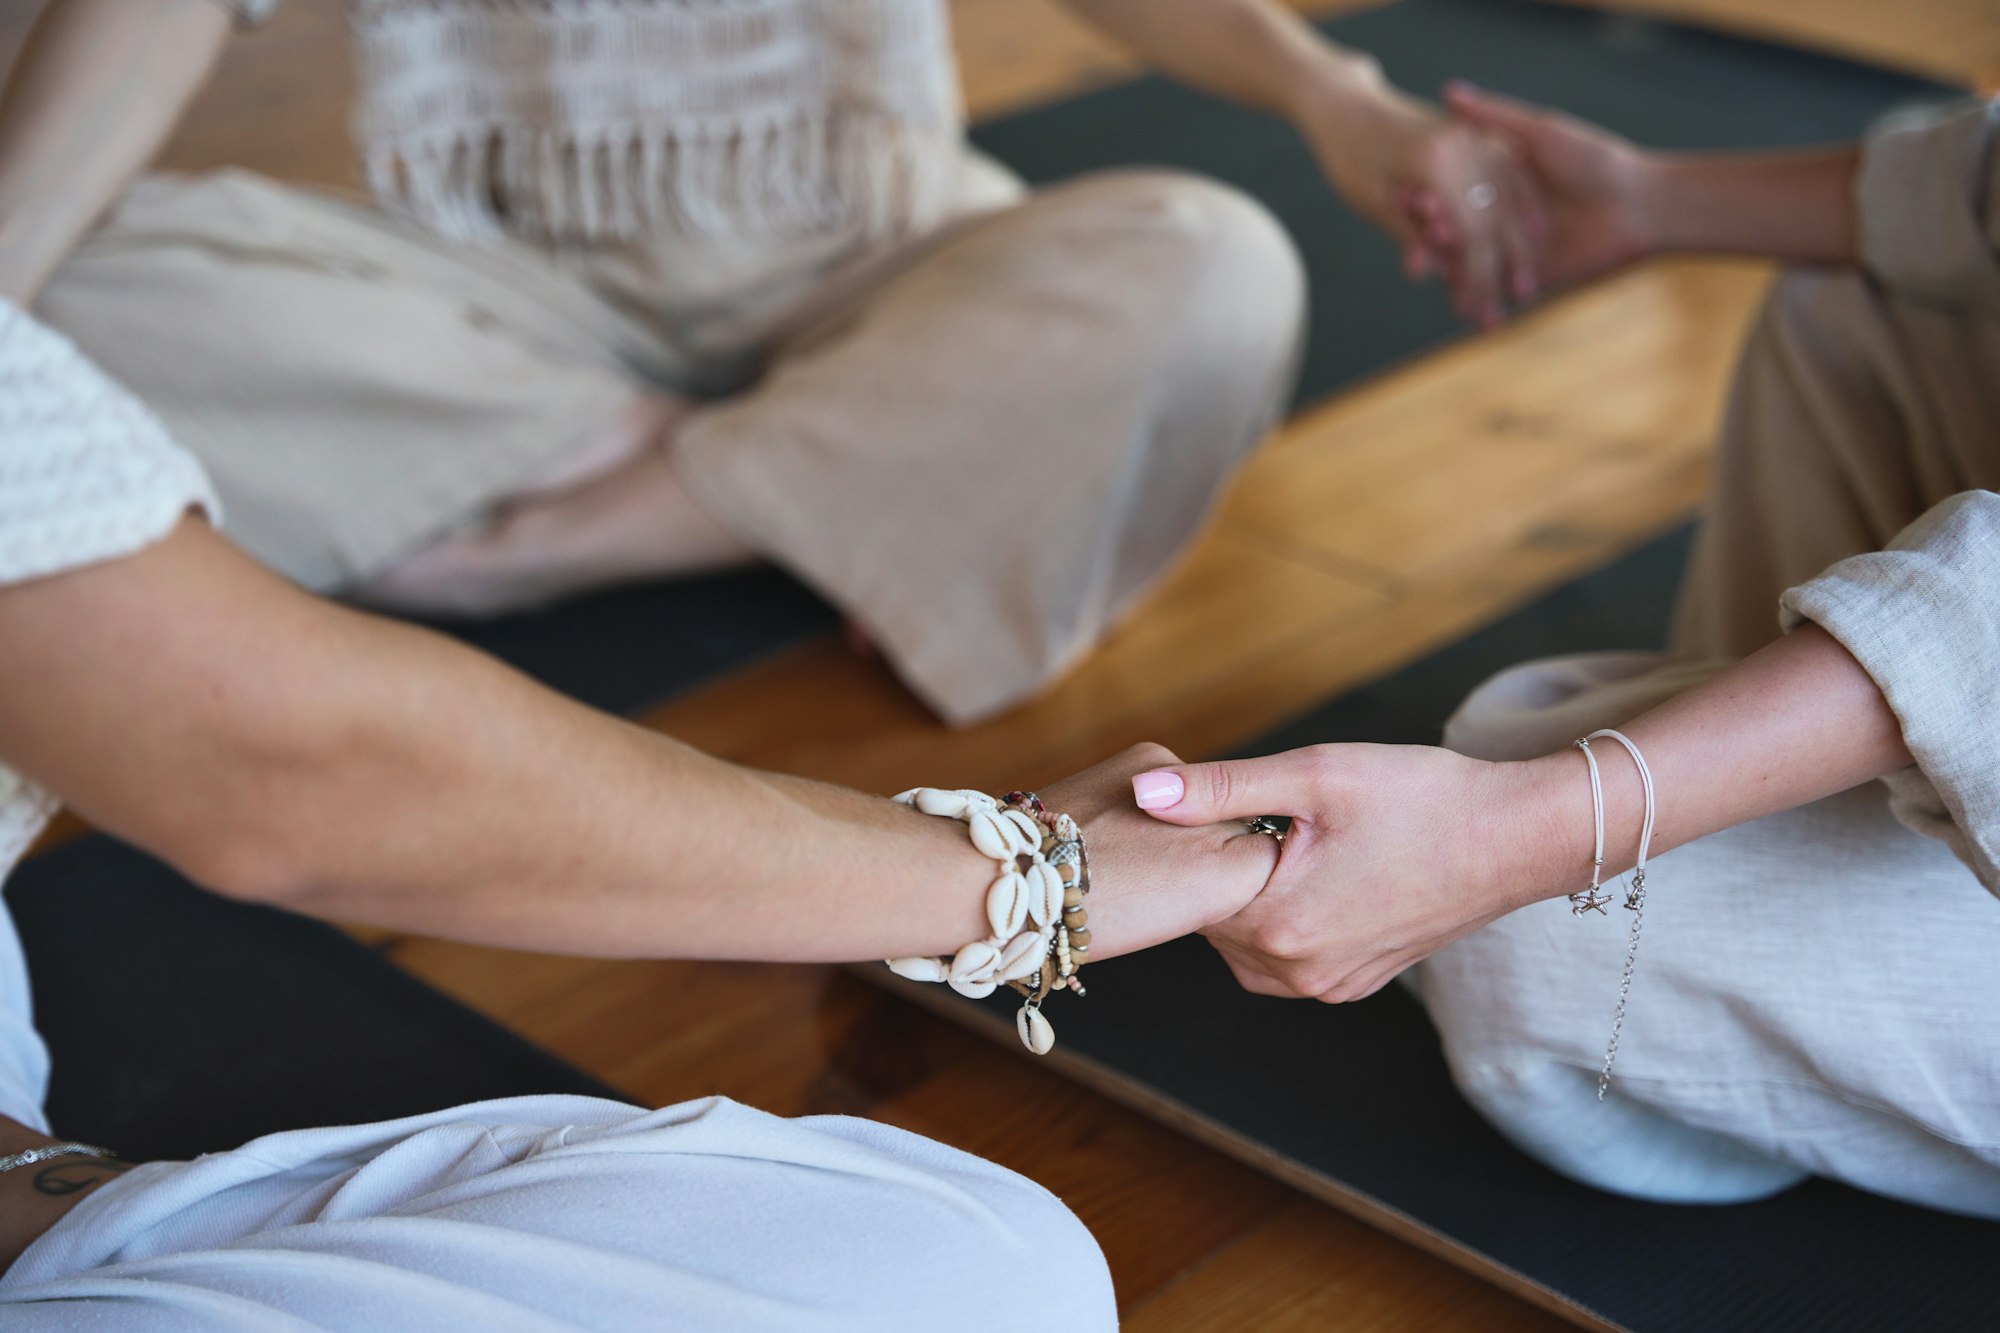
[278,103]
[1308,1269]
[1392,1231]
[1957,41]
[1156,1203]
[1015,54]
[1231,605]
[1492,439]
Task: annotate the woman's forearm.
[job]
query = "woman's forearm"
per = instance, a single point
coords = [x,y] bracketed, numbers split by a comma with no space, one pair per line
[283,749]
[1795,722]
[95,91]
[1257,52]
[1397,850]
[1796,207]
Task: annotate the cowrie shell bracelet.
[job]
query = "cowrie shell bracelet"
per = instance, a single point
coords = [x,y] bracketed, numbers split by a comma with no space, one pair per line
[1040,932]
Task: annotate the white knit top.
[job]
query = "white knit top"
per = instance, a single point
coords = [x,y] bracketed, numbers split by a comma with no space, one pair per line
[87,474]
[622,119]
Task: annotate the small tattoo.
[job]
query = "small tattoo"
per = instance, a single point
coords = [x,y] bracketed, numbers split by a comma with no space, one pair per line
[77,1175]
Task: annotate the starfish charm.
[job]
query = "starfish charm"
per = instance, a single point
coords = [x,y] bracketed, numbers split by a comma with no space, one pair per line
[1590,900]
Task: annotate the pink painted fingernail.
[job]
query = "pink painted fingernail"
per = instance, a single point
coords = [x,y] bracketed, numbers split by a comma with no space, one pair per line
[1157,791]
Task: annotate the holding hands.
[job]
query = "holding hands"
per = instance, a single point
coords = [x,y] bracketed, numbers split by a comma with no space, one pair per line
[1148,888]
[1504,201]
[1394,851]
[1591,186]
[1455,197]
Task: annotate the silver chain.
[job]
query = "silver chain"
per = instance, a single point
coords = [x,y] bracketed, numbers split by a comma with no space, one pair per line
[1636,901]
[46,1151]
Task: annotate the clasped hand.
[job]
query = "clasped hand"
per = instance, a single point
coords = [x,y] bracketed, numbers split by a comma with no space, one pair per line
[1394,851]
[1504,201]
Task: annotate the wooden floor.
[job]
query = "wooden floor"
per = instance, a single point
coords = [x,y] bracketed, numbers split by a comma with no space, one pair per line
[1373,528]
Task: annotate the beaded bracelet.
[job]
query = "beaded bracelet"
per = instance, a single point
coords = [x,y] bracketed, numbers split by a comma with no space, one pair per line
[1035,907]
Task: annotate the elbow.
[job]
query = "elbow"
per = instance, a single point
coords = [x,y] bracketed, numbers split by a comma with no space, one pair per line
[250,820]
[246,861]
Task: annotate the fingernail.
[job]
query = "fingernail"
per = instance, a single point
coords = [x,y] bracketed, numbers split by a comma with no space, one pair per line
[1157,791]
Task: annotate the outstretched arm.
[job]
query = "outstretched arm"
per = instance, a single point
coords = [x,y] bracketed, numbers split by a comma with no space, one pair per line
[96,89]
[1376,144]
[1399,849]
[280,748]
[1609,202]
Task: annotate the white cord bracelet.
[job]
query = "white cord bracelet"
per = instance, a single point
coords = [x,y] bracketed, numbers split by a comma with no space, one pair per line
[1635,894]
[1591,899]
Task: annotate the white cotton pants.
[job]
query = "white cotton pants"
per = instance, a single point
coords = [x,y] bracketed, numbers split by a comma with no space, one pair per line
[567,1213]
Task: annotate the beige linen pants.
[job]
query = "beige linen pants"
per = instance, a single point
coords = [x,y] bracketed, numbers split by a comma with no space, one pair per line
[1817,992]
[983,444]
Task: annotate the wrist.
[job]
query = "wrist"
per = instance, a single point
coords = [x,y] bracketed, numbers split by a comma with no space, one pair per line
[1657,191]
[1533,817]
[1333,86]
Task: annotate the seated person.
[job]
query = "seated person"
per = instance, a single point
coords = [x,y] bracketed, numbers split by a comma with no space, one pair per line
[281,749]
[1817,986]
[659,287]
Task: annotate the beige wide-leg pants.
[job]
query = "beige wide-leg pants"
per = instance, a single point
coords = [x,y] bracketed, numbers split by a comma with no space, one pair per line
[1817,992]
[983,444]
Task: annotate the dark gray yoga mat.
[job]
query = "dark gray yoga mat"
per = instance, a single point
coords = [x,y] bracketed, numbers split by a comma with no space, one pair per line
[1354,1102]
[181,1023]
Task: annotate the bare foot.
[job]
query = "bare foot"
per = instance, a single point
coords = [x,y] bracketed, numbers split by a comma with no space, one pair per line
[630,519]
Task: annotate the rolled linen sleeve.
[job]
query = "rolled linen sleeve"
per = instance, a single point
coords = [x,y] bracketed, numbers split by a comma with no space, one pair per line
[1928,202]
[1923,618]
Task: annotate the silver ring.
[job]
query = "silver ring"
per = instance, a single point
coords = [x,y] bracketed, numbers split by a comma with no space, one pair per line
[1480,195]
[1267,825]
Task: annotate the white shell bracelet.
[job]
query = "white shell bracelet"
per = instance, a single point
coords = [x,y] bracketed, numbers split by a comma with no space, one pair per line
[1040,933]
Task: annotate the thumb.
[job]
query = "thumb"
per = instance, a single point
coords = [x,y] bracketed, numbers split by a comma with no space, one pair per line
[1192,794]
[1491,111]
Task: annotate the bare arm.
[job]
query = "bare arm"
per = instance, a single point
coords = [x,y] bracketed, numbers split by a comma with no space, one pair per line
[1790,724]
[95,91]
[1400,849]
[280,748]
[1377,145]
[1257,52]
[1609,202]
[1797,207]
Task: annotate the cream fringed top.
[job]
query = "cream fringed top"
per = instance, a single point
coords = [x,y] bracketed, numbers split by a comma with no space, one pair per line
[615,119]
[87,474]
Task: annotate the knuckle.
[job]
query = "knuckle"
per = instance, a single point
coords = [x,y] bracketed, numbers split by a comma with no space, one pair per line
[1283,941]
[1309,980]
[1219,785]
[1322,762]
[1434,155]
[1149,754]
